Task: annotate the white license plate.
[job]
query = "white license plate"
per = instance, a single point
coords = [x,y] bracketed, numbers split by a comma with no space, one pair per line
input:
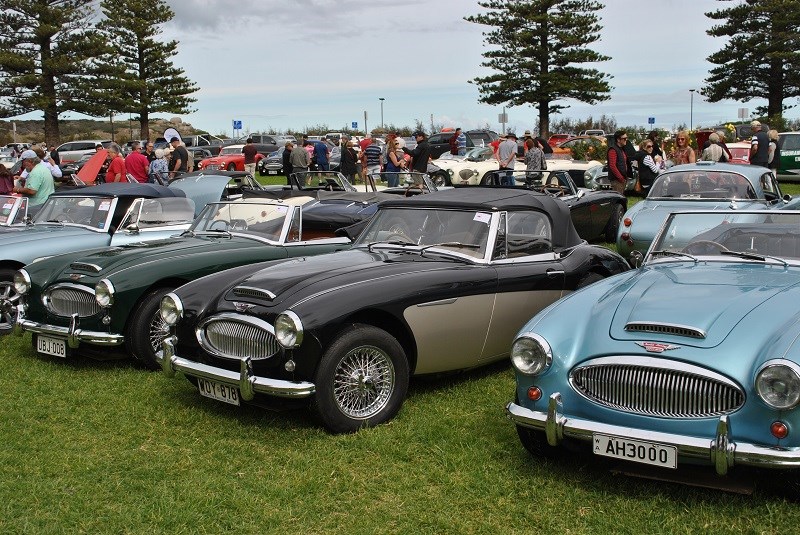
[272,172]
[51,346]
[635,450]
[218,391]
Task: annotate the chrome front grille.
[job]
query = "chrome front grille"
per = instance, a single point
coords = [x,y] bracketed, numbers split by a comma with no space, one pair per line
[69,299]
[664,328]
[656,387]
[212,167]
[235,336]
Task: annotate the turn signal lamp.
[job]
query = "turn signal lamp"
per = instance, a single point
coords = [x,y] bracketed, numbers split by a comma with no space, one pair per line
[627,222]
[535,394]
[779,430]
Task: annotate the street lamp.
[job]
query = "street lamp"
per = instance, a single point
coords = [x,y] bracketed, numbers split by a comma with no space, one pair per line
[381,99]
[691,107]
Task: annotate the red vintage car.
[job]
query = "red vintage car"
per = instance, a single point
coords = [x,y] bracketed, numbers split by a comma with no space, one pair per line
[230,158]
[557,139]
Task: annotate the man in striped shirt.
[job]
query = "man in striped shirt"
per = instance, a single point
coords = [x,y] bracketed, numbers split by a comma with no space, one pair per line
[372,158]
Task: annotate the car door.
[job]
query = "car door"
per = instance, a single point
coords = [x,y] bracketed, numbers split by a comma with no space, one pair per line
[790,152]
[529,274]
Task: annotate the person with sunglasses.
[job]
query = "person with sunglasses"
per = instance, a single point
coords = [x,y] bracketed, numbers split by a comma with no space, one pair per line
[683,153]
[618,162]
[649,165]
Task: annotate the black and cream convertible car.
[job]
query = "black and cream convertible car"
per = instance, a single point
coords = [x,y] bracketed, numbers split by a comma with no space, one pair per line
[435,283]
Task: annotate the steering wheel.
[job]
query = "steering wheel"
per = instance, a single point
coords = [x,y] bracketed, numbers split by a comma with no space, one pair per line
[704,247]
[553,190]
[396,236]
[238,224]
[64,218]
[218,225]
[413,186]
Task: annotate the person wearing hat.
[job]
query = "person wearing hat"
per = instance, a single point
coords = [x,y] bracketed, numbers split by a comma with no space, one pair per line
[180,157]
[759,145]
[39,183]
[506,156]
[421,153]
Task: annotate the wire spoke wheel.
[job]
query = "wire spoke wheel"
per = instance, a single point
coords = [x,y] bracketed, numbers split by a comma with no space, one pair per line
[363,382]
[8,300]
[158,331]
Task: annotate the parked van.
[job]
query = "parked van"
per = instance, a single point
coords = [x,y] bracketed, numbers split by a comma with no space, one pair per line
[72,151]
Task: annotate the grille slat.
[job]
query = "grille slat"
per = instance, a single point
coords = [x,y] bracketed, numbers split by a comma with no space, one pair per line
[238,338]
[656,388]
[68,300]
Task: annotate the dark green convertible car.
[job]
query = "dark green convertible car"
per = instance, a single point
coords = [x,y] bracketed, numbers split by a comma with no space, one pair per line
[95,302]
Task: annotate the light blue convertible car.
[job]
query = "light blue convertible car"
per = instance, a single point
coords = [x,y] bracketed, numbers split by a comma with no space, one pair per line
[700,186]
[692,359]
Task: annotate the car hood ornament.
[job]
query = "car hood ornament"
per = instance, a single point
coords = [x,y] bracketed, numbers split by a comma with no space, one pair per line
[657,347]
[243,307]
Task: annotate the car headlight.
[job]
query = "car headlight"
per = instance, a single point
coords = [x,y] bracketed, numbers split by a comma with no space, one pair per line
[22,282]
[104,293]
[289,329]
[778,384]
[171,310]
[531,354]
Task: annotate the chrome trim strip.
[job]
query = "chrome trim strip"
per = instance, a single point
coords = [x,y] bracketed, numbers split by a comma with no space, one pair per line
[722,453]
[247,383]
[449,301]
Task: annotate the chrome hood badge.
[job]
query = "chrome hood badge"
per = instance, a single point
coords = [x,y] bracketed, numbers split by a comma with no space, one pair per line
[656,347]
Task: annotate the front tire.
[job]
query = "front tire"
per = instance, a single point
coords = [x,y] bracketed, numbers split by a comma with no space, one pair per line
[441,179]
[231,167]
[8,298]
[361,381]
[147,330]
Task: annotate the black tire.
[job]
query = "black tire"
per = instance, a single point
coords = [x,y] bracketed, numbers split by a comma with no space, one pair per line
[612,227]
[8,299]
[146,329]
[536,444]
[441,178]
[590,278]
[361,381]
[231,167]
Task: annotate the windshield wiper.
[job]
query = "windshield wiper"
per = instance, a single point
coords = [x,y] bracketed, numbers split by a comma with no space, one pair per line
[55,221]
[666,252]
[219,231]
[753,256]
[394,242]
[451,244]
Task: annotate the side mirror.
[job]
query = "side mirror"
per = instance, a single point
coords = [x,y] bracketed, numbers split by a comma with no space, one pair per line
[133,228]
[787,198]
[581,193]
[636,258]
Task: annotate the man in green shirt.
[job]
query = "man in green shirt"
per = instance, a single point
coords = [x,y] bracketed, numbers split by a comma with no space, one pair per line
[39,184]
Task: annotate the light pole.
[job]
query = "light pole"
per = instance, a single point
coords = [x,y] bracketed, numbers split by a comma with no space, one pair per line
[381,99]
[691,107]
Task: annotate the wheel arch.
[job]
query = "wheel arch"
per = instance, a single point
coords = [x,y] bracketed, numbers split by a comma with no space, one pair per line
[11,264]
[170,282]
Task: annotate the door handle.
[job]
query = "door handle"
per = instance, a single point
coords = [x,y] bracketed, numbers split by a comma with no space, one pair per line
[552,273]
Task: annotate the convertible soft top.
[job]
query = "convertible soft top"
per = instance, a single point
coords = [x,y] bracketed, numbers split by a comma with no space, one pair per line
[492,199]
[124,189]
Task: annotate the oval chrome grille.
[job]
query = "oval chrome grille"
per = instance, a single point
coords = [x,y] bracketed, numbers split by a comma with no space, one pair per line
[235,336]
[664,328]
[66,300]
[654,387]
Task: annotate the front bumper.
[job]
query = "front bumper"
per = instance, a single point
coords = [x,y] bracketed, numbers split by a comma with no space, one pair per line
[721,452]
[247,383]
[74,334]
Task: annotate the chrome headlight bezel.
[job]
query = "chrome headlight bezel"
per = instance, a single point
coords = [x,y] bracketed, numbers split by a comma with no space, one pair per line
[782,373]
[171,309]
[288,329]
[104,293]
[531,354]
[22,282]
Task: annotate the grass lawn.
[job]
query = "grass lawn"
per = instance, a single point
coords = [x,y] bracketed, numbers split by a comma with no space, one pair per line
[106,447]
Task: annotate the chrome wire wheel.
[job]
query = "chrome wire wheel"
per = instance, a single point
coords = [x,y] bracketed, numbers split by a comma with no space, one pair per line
[8,300]
[363,382]
[158,331]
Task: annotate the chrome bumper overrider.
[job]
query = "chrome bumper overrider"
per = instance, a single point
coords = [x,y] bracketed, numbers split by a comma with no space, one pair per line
[247,383]
[74,334]
[720,452]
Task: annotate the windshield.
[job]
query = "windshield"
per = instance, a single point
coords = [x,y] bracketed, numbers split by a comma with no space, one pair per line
[231,150]
[773,234]
[479,154]
[149,213]
[263,219]
[7,203]
[702,185]
[464,231]
[85,211]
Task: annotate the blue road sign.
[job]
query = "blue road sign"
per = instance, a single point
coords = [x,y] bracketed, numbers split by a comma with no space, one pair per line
[651,120]
[237,125]
[354,125]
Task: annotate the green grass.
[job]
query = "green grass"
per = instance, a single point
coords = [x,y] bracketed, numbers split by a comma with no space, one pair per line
[91,447]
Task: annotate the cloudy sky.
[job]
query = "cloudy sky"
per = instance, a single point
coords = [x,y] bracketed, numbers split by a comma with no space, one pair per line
[293,64]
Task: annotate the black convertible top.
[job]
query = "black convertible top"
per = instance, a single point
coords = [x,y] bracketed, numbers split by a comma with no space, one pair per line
[493,199]
[123,189]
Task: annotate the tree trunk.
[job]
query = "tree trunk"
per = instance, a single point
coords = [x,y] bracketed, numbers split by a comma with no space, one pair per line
[144,124]
[544,119]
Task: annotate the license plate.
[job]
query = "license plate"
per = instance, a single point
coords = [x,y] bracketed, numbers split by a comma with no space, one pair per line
[272,172]
[51,346]
[218,391]
[636,450]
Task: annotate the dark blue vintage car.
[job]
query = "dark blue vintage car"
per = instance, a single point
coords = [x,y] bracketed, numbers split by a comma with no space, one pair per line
[434,283]
[692,359]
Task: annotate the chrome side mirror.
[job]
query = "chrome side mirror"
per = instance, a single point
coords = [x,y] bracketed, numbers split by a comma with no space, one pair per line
[636,258]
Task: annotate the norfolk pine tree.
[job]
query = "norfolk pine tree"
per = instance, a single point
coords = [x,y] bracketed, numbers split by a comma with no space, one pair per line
[48,50]
[538,46]
[762,56]
[146,81]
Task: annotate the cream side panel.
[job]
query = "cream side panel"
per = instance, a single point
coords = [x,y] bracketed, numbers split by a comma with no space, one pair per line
[450,333]
[512,311]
